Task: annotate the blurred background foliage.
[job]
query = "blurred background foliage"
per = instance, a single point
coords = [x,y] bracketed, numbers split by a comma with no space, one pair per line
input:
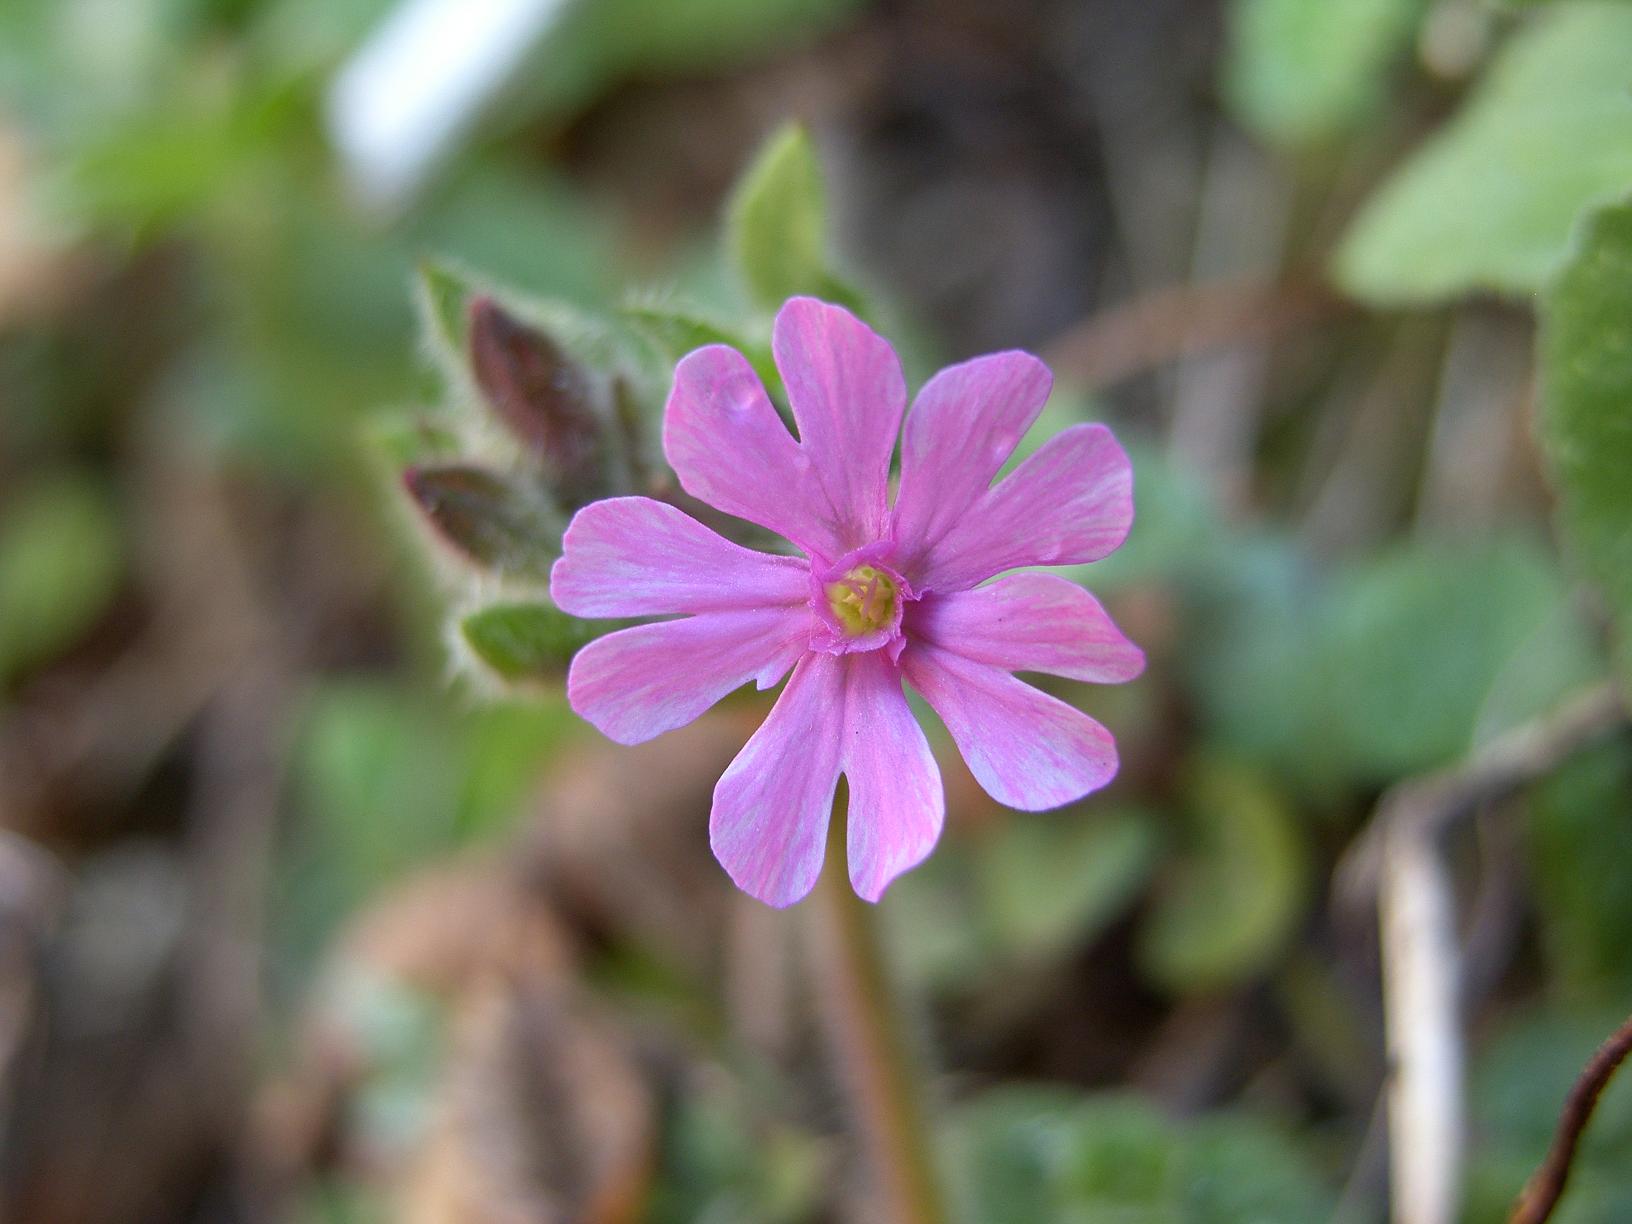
[316,902]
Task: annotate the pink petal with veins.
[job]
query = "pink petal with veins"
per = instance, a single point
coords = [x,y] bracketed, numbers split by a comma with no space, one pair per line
[637,683]
[771,806]
[1026,749]
[847,394]
[731,450]
[1029,622]
[1070,502]
[632,556]
[964,425]
[896,803]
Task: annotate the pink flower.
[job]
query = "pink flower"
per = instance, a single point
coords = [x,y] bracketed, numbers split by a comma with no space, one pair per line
[882,594]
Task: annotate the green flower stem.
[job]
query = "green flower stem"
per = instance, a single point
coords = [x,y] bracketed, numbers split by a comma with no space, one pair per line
[870,1044]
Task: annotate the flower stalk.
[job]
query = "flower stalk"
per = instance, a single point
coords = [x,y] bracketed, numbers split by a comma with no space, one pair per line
[871,1045]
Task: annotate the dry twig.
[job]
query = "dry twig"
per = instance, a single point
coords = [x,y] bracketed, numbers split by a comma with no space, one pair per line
[1113,345]
[1399,862]
[1546,1186]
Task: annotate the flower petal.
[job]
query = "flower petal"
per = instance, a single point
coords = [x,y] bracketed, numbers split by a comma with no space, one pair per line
[896,802]
[729,448]
[1029,622]
[964,425]
[771,806]
[637,683]
[1070,502]
[1028,750]
[632,556]
[847,394]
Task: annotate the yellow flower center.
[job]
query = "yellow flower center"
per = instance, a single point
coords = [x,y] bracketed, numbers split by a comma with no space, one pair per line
[864,600]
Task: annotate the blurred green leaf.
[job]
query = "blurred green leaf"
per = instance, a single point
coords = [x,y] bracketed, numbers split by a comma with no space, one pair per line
[596,43]
[443,294]
[1390,666]
[1178,531]
[776,229]
[1586,417]
[60,563]
[1254,618]
[504,746]
[1579,837]
[1050,884]
[1053,1157]
[718,1163]
[403,442]
[1233,899]
[1489,201]
[1304,71]
[1238,1169]
[526,642]
[389,777]
[1422,637]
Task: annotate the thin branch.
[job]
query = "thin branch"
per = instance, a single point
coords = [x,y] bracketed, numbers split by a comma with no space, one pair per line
[1398,866]
[1507,764]
[877,1061]
[1113,345]
[1544,1189]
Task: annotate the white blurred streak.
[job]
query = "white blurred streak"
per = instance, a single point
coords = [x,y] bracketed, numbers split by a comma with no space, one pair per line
[1423,1028]
[404,100]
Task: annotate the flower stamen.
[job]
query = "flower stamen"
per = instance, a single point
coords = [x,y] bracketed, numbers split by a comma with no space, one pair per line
[864,600]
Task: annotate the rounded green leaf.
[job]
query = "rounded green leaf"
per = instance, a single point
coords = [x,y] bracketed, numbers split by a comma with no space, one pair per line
[1231,904]
[526,642]
[1489,202]
[1301,71]
[776,230]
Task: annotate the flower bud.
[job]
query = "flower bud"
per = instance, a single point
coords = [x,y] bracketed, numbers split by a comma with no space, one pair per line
[543,398]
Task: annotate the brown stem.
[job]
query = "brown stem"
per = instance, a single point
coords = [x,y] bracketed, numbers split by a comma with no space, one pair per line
[1167,324]
[870,1045]
[1544,1189]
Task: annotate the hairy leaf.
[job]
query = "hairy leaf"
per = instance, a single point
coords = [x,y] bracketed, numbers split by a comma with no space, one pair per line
[1586,416]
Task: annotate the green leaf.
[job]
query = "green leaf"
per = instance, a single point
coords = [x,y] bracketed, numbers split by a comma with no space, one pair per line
[443,295]
[401,442]
[1051,884]
[678,328]
[1393,665]
[527,642]
[1048,1155]
[717,1161]
[59,565]
[1489,202]
[1282,1185]
[776,229]
[1254,656]
[388,777]
[1580,858]
[1428,647]
[595,43]
[1586,414]
[1231,903]
[1304,71]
